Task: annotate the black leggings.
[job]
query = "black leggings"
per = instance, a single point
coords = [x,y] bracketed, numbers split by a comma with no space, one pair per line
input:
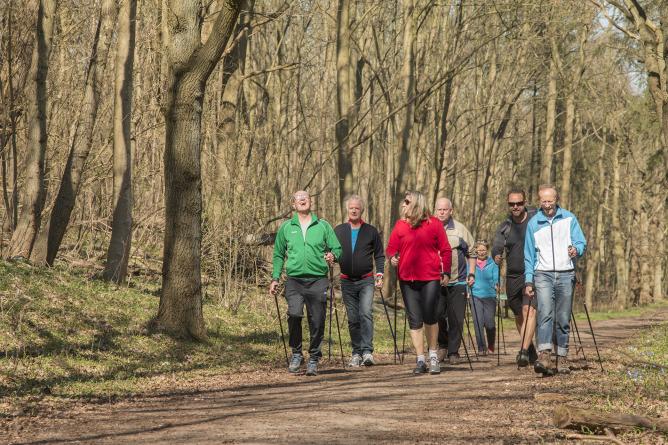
[421,301]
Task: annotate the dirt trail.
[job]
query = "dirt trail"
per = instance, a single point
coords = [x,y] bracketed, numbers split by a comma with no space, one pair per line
[382,404]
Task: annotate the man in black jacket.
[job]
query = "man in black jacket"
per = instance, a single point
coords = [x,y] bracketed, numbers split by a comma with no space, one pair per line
[362,246]
[509,237]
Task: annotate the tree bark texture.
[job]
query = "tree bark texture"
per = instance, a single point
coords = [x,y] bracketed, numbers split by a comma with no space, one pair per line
[345,87]
[50,238]
[121,228]
[34,193]
[190,65]
[550,123]
[568,416]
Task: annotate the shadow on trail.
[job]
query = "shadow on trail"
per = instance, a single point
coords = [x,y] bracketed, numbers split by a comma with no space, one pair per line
[344,395]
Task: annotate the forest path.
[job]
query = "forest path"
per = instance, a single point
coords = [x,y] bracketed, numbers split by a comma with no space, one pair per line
[381,404]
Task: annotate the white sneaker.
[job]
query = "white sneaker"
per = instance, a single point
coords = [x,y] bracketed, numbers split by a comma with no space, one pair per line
[367,359]
[355,361]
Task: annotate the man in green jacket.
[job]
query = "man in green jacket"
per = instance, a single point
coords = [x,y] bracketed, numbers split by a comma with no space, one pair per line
[310,246]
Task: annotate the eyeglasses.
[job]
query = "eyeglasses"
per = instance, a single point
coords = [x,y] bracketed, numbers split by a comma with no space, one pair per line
[516,204]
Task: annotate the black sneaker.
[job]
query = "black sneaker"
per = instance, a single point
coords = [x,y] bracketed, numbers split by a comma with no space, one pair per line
[295,363]
[420,368]
[533,355]
[522,358]
[311,368]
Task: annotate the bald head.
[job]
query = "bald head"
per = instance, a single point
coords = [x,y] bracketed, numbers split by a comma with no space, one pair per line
[443,210]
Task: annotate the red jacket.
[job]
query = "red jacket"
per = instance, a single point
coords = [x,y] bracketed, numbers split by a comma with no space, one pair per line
[424,251]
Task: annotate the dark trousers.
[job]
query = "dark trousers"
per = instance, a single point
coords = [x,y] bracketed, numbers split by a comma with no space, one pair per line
[451,308]
[484,311]
[312,293]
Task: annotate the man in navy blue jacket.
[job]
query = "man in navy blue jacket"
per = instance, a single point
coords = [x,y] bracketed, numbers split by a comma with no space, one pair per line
[553,240]
[361,246]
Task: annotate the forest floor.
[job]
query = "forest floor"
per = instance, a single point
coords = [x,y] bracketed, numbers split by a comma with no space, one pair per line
[380,404]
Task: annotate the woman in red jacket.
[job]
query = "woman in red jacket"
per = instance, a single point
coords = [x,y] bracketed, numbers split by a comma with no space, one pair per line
[419,247]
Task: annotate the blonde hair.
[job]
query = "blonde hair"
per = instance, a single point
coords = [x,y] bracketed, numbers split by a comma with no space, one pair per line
[417,211]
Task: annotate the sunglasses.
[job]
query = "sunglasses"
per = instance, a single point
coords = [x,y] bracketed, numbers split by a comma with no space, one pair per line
[516,204]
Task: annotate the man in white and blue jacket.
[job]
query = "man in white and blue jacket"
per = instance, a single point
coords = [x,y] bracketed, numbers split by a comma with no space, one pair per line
[553,240]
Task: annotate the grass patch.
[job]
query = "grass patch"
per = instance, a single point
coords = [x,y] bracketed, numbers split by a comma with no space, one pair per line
[68,336]
[635,382]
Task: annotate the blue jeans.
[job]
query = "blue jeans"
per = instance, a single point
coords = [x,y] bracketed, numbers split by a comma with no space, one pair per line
[554,294]
[358,298]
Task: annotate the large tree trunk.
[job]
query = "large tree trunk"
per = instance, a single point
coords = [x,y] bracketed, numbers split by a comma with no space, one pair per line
[121,229]
[48,243]
[190,65]
[345,80]
[34,193]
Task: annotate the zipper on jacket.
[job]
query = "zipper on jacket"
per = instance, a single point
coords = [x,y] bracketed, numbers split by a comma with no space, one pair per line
[554,265]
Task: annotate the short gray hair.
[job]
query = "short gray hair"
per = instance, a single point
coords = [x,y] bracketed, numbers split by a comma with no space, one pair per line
[354,198]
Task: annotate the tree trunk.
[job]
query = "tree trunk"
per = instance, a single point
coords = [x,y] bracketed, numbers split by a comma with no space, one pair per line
[48,243]
[569,124]
[190,65]
[618,253]
[345,87]
[121,228]
[403,170]
[594,260]
[34,193]
[550,123]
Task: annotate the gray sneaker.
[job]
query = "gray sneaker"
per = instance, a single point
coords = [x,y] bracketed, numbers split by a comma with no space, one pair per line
[312,368]
[454,359]
[563,367]
[355,361]
[434,366]
[420,368]
[368,359]
[295,363]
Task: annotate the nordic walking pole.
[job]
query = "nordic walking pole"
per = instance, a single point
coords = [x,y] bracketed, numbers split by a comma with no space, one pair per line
[336,313]
[476,322]
[500,318]
[575,325]
[593,336]
[468,327]
[392,333]
[499,324]
[466,351]
[395,317]
[329,341]
[525,318]
[403,343]
[280,323]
